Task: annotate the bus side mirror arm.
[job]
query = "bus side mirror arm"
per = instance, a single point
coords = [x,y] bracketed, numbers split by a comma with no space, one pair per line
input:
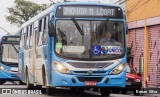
[126,29]
[51,29]
[1,50]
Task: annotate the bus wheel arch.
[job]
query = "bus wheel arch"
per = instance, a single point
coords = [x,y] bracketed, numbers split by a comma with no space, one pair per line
[26,74]
[27,80]
[44,75]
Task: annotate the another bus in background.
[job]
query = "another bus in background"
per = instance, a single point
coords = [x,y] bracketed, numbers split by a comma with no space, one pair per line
[9,46]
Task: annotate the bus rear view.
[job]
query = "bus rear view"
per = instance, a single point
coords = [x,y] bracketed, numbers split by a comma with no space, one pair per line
[9,58]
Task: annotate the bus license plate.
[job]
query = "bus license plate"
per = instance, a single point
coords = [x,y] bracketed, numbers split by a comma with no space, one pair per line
[90,83]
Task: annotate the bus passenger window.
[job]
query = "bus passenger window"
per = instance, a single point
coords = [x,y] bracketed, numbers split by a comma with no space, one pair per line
[40,32]
[40,26]
[30,40]
[44,26]
[21,39]
[27,37]
[24,39]
[45,30]
[30,30]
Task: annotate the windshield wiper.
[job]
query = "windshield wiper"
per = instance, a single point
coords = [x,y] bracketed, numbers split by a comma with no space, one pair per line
[14,47]
[78,27]
[101,26]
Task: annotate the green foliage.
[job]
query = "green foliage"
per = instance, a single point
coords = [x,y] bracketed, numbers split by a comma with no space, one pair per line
[23,11]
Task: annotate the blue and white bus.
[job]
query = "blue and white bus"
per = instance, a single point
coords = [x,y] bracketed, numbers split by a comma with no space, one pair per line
[9,46]
[61,47]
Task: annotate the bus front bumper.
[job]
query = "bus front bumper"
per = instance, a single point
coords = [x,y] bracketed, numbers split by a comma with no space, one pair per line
[66,80]
[7,75]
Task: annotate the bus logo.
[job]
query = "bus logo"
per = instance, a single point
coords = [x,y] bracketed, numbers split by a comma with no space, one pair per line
[90,72]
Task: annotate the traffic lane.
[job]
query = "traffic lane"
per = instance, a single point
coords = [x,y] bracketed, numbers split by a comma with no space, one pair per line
[62,92]
[66,93]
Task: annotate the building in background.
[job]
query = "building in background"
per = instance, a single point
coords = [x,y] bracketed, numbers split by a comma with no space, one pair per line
[143,18]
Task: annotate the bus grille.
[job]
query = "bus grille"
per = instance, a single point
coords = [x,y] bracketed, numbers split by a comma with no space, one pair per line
[94,72]
[82,79]
[90,65]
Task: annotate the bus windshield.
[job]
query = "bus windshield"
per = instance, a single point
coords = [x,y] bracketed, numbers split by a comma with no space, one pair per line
[89,39]
[10,53]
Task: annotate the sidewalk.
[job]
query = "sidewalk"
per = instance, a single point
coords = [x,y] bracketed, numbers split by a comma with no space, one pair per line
[152,95]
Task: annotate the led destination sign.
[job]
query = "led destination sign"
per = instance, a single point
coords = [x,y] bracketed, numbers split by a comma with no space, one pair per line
[10,39]
[89,11]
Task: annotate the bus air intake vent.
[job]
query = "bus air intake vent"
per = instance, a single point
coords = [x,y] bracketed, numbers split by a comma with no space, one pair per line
[90,65]
[94,72]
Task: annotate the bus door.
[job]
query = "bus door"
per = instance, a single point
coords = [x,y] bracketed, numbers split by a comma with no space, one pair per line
[34,43]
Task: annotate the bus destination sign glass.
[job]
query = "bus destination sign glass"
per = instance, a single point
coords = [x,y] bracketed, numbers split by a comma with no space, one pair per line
[11,39]
[89,11]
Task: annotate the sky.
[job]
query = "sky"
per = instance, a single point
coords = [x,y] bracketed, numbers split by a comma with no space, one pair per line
[9,3]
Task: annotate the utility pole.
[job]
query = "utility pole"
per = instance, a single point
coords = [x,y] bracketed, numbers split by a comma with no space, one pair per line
[5,31]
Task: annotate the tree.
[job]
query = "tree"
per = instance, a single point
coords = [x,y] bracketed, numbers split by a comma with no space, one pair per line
[23,11]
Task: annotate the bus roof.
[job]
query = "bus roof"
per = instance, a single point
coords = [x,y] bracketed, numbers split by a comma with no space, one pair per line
[87,3]
[53,8]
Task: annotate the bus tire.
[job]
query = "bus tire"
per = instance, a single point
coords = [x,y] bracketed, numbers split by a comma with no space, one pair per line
[38,86]
[105,92]
[48,90]
[2,81]
[21,83]
[29,86]
[81,89]
[73,90]
[116,91]
[124,91]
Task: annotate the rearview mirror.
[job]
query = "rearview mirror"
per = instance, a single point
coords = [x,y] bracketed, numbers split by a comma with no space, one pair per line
[126,29]
[1,50]
[51,29]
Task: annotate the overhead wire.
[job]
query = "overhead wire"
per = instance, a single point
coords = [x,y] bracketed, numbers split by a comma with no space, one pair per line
[117,1]
[143,8]
[138,6]
[134,6]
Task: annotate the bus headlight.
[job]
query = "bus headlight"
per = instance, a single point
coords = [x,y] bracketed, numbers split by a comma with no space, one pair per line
[2,68]
[118,69]
[61,68]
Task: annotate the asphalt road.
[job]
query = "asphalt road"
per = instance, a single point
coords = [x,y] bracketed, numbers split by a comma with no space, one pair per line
[62,92]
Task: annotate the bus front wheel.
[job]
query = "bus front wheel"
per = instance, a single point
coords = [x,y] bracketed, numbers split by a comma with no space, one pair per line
[29,86]
[105,92]
[48,90]
[2,81]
